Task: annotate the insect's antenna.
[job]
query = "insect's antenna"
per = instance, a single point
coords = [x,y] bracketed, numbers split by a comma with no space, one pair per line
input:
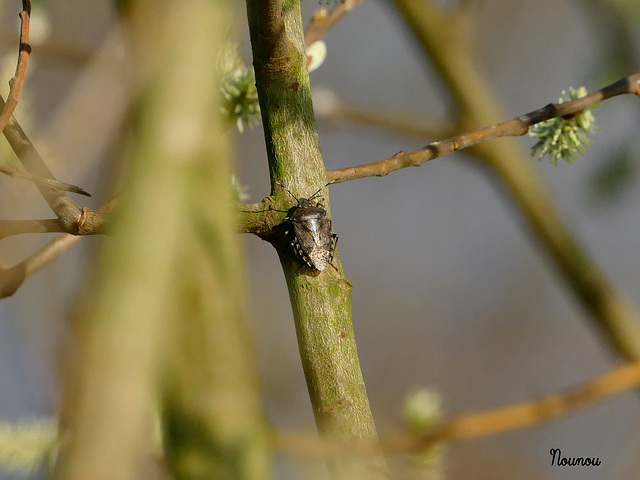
[294,197]
[324,186]
[313,196]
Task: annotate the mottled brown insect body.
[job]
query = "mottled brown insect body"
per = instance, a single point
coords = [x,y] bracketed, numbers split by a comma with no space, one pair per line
[310,233]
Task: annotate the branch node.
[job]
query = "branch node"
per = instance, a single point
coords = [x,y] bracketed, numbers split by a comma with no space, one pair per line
[79,225]
[25,47]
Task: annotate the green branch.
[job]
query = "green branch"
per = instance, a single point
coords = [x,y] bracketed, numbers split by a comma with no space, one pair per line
[321,301]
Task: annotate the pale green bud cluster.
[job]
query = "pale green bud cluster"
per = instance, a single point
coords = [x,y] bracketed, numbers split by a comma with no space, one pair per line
[564,138]
[239,93]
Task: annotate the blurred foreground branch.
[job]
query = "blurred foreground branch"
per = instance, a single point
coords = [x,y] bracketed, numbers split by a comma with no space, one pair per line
[163,327]
[469,426]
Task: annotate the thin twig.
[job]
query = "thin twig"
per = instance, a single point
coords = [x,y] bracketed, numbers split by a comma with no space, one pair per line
[65,187]
[529,413]
[49,253]
[480,424]
[514,127]
[15,84]
[12,278]
[9,228]
[323,20]
[75,219]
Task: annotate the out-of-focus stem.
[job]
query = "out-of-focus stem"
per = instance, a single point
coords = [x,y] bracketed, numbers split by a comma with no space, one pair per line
[451,55]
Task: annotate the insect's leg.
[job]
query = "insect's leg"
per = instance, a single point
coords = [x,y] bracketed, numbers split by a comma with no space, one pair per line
[334,238]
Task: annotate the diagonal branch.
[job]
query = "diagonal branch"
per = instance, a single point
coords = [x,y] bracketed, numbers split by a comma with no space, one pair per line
[65,187]
[24,50]
[514,127]
[72,218]
[485,423]
[528,413]
[12,278]
[75,219]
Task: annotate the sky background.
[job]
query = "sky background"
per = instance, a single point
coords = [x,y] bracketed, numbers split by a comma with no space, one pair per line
[449,290]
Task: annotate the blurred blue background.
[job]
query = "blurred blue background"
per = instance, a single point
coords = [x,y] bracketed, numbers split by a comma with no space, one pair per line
[449,290]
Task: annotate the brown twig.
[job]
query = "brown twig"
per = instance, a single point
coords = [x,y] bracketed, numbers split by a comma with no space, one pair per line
[9,228]
[514,127]
[65,187]
[526,414]
[68,212]
[480,424]
[323,20]
[74,219]
[12,278]
[15,84]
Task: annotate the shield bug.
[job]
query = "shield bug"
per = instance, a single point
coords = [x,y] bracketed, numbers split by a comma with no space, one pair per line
[310,232]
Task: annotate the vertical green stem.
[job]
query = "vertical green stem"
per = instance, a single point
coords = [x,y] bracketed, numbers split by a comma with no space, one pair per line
[321,301]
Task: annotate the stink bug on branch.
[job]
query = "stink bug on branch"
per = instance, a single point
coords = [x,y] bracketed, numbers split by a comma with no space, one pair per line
[310,232]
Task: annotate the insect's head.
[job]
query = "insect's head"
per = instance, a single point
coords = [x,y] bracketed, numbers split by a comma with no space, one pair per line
[304,202]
